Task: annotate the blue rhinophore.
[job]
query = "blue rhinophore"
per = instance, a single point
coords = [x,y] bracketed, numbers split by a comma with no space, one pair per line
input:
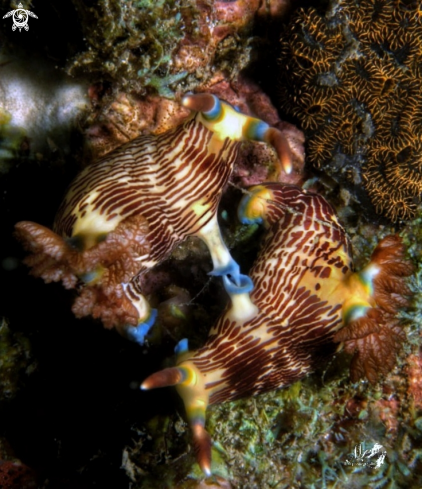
[256,130]
[244,284]
[138,333]
[215,112]
[181,347]
[232,269]
[242,211]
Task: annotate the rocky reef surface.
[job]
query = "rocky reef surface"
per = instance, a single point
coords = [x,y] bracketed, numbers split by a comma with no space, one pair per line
[76,415]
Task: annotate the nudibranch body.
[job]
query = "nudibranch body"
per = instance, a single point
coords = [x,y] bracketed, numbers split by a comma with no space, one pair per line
[125,213]
[306,298]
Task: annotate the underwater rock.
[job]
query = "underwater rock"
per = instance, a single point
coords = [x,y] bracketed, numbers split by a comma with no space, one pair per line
[352,78]
[159,47]
[119,118]
[127,116]
[13,473]
[274,9]
[40,103]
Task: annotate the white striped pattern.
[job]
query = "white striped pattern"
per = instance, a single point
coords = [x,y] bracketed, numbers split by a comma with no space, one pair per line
[173,180]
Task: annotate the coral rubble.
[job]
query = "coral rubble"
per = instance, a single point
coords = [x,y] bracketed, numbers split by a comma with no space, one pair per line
[352,77]
[154,46]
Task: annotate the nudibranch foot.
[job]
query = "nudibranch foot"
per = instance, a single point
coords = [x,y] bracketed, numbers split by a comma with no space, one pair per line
[372,332]
[139,332]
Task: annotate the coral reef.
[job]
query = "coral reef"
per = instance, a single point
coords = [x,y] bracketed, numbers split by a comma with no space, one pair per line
[74,417]
[150,46]
[305,299]
[352,78]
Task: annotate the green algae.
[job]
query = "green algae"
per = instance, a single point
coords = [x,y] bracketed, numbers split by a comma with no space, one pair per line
[135,46]
[303,435]
[132,42]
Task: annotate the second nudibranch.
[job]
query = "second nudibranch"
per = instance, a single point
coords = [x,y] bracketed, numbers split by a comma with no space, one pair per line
[306,299]
[125,213]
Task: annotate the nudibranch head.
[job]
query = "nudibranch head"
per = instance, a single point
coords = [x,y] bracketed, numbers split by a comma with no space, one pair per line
[296,314]
[227,122]
[124,214]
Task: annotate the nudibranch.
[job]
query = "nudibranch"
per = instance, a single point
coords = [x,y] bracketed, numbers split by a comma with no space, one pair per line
[125,213]
[306,300]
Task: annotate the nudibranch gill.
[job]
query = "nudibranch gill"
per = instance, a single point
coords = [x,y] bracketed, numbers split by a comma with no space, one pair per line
[306,300]
[125,213]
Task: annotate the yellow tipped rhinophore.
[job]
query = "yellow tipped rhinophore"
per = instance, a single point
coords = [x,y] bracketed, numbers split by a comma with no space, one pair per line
[361,297]
[225,121]
[252,207]
[190,385]
[163,378]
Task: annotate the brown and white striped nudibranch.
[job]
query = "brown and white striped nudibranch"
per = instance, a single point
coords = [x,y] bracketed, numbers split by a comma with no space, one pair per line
[305,300]
[125,213]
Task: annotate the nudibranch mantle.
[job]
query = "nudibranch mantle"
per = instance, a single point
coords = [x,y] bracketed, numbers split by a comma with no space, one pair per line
[126,212]
[304,290]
